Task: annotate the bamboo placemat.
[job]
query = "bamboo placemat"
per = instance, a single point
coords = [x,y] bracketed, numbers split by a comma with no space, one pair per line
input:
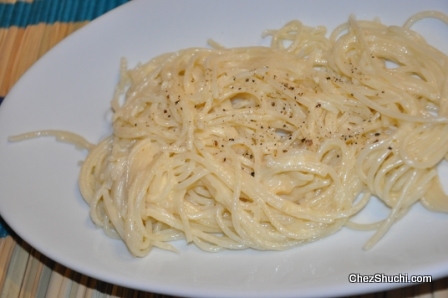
[28,29]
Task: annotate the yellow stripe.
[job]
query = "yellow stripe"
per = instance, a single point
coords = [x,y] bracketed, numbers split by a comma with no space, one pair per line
[32,276]
[18,257]
[6,48]
[21,47]
[7,245]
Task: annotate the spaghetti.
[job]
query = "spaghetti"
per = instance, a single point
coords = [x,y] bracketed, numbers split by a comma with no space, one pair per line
[272,147]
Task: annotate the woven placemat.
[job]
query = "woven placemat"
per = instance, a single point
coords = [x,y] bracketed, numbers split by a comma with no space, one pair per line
[28,29]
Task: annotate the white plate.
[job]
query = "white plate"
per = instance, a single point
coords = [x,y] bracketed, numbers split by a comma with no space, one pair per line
[70,89]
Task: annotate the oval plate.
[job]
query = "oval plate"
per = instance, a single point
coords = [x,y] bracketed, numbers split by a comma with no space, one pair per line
[70,89]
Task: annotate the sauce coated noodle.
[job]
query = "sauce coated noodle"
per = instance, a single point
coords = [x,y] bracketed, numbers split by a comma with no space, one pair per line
[272,147]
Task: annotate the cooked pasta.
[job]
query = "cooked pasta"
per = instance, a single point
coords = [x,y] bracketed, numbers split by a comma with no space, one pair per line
[272,147]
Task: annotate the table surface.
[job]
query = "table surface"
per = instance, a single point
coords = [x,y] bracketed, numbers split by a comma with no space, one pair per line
[24,272]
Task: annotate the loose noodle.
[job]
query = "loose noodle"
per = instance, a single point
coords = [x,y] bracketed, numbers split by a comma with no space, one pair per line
[272,147]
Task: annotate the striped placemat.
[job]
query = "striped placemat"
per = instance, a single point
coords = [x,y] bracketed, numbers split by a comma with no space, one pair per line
[28,29]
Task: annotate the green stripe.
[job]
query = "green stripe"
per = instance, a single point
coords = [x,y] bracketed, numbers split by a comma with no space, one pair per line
[22,14]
